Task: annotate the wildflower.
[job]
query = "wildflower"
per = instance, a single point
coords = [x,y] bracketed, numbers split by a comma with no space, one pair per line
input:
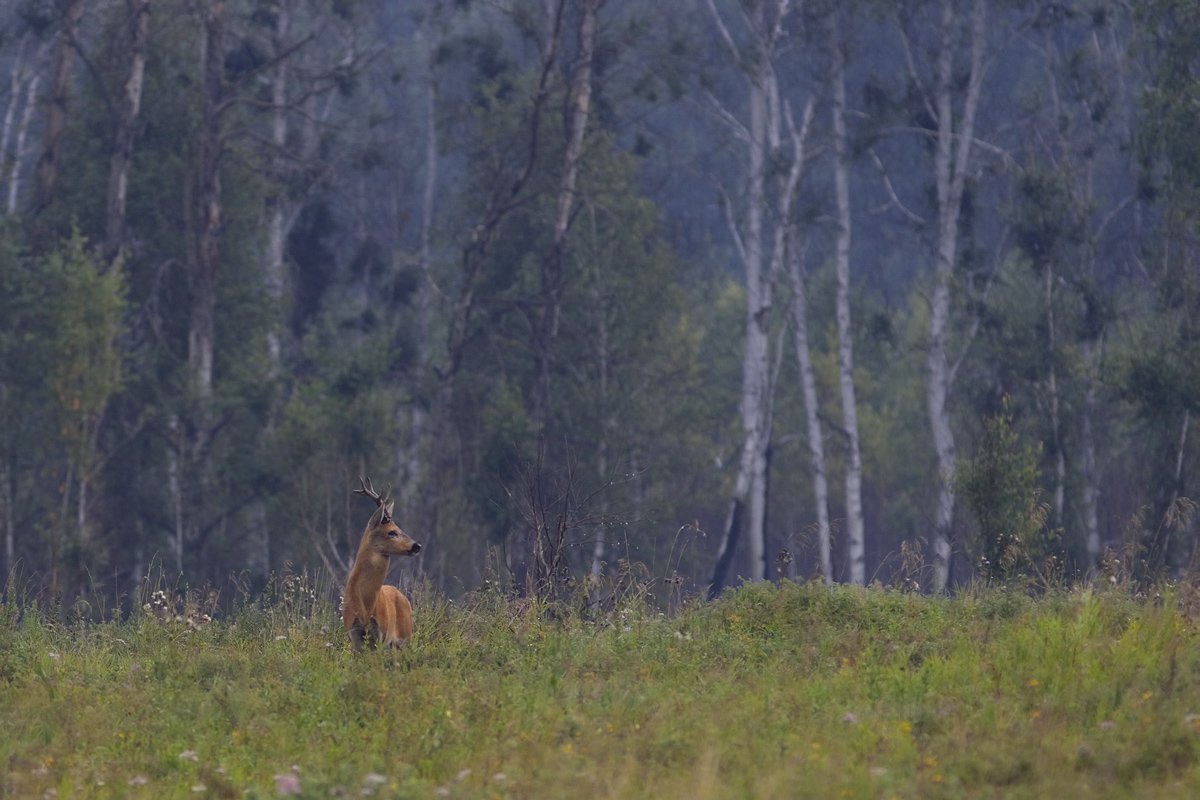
[138,780]
[849,718]
[199,788]
[1032,683]
[287,784]
[189,755]
[1107,725]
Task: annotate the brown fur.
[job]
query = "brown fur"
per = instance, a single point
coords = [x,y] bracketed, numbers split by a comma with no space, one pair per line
[372,611]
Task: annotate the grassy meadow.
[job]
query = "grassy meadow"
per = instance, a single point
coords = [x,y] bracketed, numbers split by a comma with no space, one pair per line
[795,690]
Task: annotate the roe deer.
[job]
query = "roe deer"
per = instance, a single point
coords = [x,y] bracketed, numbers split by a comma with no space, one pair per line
[370,610]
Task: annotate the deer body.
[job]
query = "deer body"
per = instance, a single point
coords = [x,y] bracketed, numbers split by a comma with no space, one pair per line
[371,611]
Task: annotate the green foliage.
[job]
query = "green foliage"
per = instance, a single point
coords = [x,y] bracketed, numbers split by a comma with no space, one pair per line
[999,485]
[776,691]
[85,304]
[1170,29]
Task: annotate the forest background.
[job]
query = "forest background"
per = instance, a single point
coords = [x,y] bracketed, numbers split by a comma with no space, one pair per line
[682,293]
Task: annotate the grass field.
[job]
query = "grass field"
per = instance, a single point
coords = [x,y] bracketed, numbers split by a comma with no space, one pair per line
[773,691]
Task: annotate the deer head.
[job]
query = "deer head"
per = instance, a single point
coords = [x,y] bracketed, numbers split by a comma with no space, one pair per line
[383,535]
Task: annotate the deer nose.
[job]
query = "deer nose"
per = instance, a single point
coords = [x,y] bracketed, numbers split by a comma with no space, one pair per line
[416,548]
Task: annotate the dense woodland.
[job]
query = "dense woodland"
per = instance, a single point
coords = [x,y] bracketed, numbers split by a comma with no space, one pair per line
[681,293]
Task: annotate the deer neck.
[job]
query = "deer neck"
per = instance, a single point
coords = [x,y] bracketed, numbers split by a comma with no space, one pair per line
[369,570]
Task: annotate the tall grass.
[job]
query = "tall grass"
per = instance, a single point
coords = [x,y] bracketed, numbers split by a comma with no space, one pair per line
[791,690]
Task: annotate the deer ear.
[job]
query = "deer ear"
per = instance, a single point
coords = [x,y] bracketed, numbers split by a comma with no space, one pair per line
[387,509]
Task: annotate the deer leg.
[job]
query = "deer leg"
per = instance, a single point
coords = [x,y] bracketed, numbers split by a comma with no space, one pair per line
[374,635]
[357,632]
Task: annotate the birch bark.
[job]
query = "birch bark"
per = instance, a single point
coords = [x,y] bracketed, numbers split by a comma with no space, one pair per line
[579,102]
[14,173]
[762,137]
[855,540]
[953,141]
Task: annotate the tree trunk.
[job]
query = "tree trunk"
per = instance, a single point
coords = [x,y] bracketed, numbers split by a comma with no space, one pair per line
[951,159]
[767,114]
[175,461]
[1090,475]
[131,101]
[56,113]
[755,359]
[855,541]
[206,256]
[410,456]
[579,103]
[1060,462]
[607,423]
[812,417]
[278,205]
[14,173]
[16,85]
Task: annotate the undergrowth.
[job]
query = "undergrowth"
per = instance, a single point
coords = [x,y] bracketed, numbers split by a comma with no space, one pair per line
[790,690]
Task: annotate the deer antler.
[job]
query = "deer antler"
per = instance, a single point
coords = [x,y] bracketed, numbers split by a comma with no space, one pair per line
[368,490]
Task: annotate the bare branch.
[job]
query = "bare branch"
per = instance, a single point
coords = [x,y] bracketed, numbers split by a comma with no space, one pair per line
[896,201]
[735,234]
[723,31]
[724,115]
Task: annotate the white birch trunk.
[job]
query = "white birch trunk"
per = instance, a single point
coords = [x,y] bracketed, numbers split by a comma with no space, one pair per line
[553,264]
[755,358]
[410,453]
[1060,461]
[175,460]
[855,539]
[951,159]
[606,422]
[277,218]
[16,85]
[767,113]
[18,157]
[1090,475]
[812,418]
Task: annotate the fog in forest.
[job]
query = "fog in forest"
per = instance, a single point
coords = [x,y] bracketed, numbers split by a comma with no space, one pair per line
[609,292]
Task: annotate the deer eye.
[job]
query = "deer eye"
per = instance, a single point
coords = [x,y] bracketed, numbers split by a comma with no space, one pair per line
[393,534]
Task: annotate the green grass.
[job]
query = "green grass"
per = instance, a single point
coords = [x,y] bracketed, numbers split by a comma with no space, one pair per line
[775,691]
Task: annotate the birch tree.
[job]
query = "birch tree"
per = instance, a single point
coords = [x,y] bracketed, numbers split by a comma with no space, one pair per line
[953,141]
[761,256]
[205,250]
[579,102]
[798,307]
[841,185]
[23,88]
